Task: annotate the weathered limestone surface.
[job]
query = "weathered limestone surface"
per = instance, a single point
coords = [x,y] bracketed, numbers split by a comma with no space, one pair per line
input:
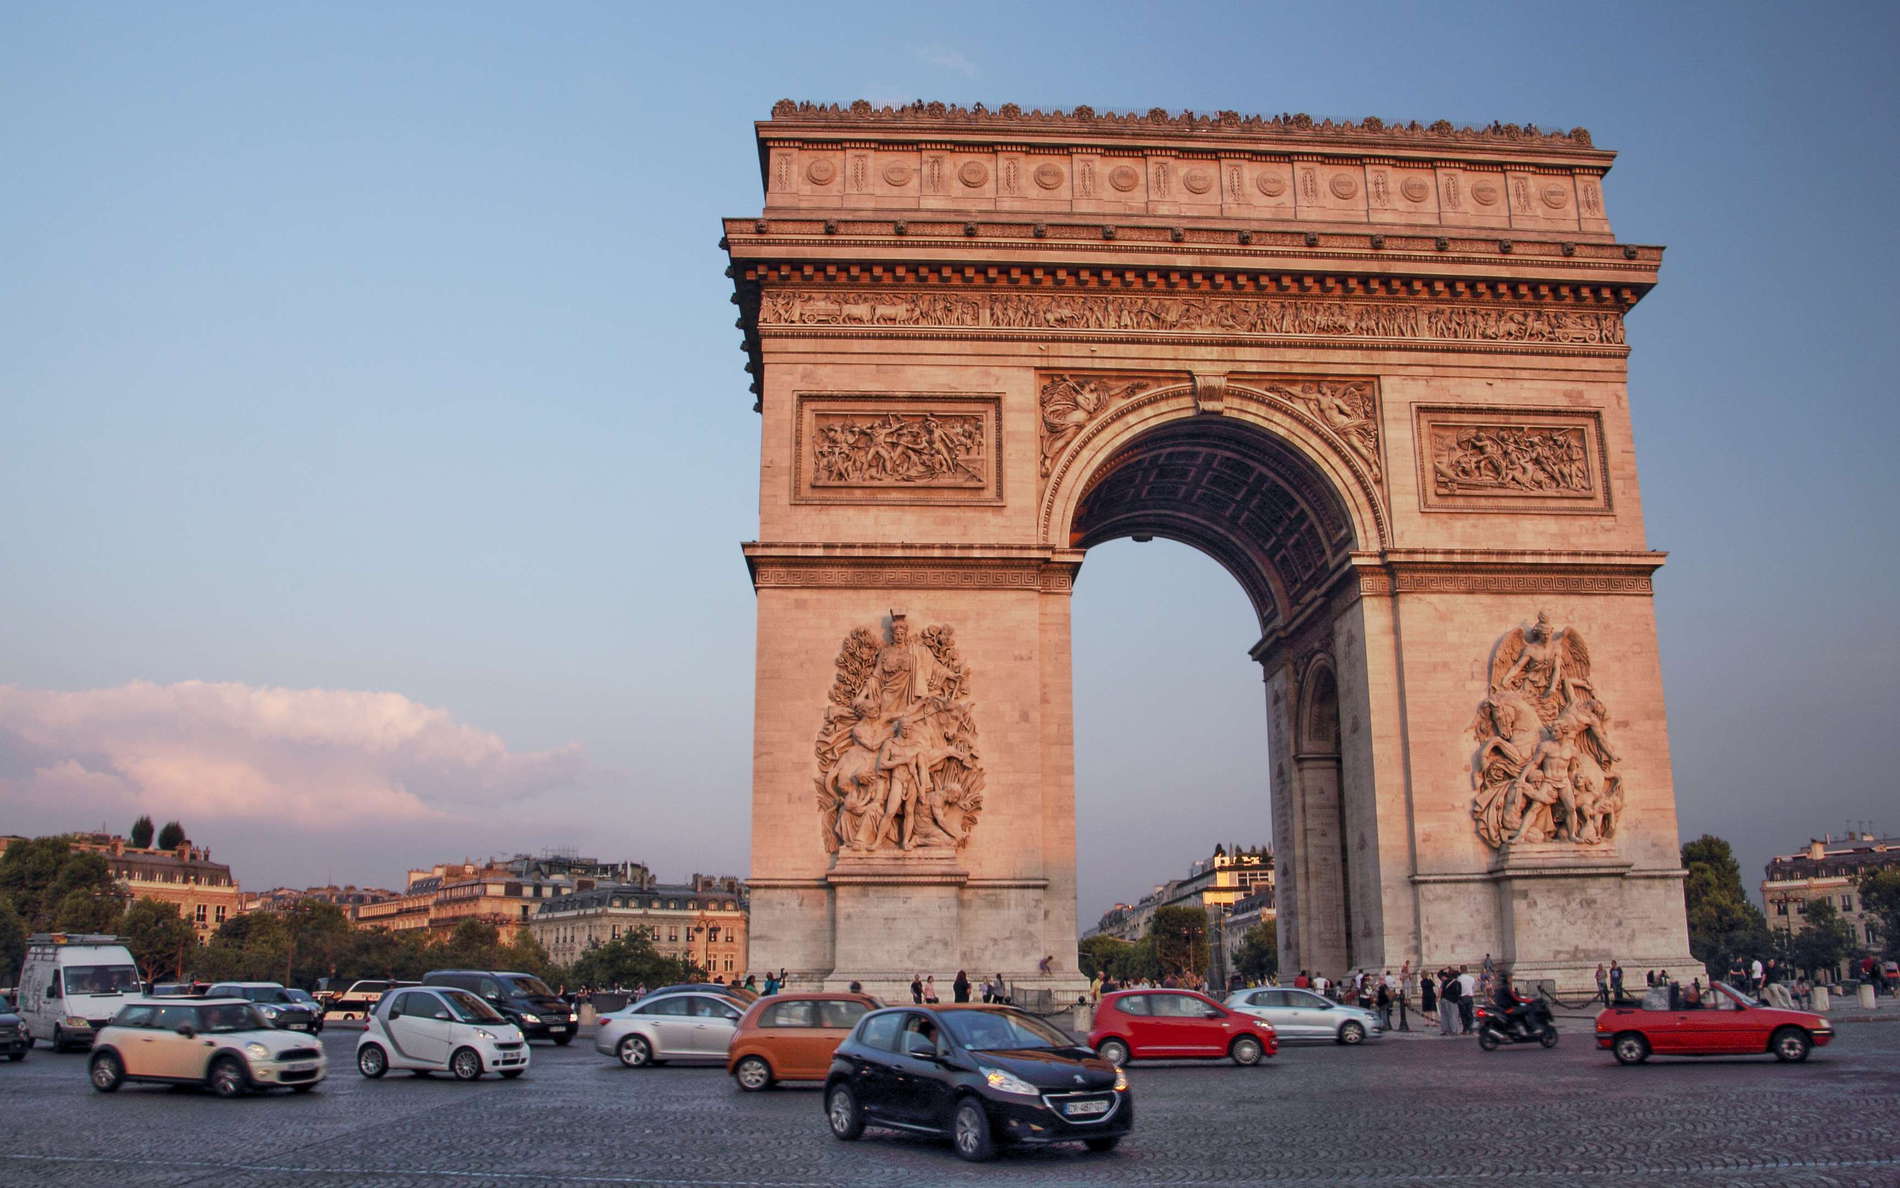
[1378,374]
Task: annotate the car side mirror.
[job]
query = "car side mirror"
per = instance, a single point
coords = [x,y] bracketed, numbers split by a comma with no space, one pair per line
[920,1045]
[1213,1013]
[187,1030]
[442,1015]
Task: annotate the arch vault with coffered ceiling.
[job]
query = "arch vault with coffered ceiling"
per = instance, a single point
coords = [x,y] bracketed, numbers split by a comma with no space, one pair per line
[1377,372]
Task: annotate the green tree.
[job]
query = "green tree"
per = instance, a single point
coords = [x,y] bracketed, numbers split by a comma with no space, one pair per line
[172,836]
[141,834]
[12,942]
[628,961]
[1259,953]
[159,937]
[1825,940]
[1179,935]
[1724,927]
[1880,894]
[1101,954]
[473,944]
[51,885]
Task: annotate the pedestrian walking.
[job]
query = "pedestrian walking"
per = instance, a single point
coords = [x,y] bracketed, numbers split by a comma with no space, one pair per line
[1603,985]
[1001,988]
[1384,1002]
[1467,996]
[1095,987]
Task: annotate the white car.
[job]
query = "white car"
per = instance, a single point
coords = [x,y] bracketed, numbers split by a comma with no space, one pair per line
[426,1029]
[1303,1015]
[683,1025]
[220,1042]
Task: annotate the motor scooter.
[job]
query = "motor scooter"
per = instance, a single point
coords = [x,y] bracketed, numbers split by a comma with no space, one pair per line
[1534,1026]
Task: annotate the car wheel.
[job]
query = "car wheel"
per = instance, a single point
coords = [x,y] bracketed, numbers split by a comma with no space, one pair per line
[842,1112]
[107,1073]
[1629,1048]
[1790,1045]
[466,1064]
[1351,1032]
[564,1040]
[59,1039]
[635,1052]
[1114,1051]
[16,1057]
[1105,1143]
[372,1061]
[1549,1037]
[970,1132]
[753,1074]
[1246,1051]
[227,1077]
[1487,1039]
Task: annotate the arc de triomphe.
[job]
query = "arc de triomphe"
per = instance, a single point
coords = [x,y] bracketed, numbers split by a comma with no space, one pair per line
[1377,372]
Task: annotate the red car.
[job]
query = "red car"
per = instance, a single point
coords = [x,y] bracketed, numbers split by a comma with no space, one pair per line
[1175,1025]
[1725,1022]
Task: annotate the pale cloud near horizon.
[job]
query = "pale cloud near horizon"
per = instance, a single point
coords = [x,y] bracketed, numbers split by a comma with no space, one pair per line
[945,58]
[209,752]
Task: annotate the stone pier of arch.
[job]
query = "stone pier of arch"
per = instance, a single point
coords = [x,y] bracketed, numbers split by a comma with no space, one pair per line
[1378,374]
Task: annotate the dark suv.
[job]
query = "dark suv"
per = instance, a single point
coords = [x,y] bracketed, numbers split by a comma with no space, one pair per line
[522,998]
[985,1076]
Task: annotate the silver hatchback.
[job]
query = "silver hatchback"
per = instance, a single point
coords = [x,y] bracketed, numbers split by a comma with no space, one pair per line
[1304,1015]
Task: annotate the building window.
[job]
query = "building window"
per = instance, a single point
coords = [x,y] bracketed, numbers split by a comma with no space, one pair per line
[201,913]
[1873,933]
[220,915]
[1847,903]
[1781,907]
[712,933]
[616,932]
[673,935]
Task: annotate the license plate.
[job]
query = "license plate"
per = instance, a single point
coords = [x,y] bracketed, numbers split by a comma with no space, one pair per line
[557,1029]
[1082,1109]
[302,1068]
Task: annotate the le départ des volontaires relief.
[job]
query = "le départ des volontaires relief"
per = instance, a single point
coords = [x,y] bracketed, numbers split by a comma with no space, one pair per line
[898,768]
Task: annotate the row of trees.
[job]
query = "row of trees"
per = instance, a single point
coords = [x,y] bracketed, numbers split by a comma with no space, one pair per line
[169,838]
[48,886]
[1725,929]
[1176,945]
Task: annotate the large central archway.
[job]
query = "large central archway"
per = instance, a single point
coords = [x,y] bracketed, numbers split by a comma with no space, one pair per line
[1375,373]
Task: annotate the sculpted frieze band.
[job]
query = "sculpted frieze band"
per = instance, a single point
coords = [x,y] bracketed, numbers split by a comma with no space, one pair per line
[1544,769]
[1157,313]
[897,762]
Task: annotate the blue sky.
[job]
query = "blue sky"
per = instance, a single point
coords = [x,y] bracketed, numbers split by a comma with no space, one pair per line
[380,355]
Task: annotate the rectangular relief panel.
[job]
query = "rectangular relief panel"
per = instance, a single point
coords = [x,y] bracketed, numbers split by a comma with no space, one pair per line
[911,448]
[1510,460]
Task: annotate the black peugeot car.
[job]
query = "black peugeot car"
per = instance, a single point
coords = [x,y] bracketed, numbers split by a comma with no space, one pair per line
[985,1076]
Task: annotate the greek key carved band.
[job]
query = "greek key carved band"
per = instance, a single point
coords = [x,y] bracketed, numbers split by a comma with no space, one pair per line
[1054,580]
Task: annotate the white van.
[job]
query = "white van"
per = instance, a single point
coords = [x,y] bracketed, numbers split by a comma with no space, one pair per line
[72,985]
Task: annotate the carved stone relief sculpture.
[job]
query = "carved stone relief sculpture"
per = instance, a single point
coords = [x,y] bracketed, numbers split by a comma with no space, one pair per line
[1350,408]
[1505,459]
[926,450]
[897,761]
[1070,402]
[1544,769]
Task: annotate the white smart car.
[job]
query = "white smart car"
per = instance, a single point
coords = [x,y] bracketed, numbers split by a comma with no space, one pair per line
[426,1029]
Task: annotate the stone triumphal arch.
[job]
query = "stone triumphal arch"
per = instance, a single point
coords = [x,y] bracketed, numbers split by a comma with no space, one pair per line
[1377,372]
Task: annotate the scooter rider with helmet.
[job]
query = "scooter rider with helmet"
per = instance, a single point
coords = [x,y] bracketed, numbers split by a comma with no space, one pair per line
[1510,1008]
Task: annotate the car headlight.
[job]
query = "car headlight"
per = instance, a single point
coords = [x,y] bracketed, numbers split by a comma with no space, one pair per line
[484,1033]
[530,1018]
[78,1021]
[267,1010]
[1121,1079]
[257,1051]
[1006,1082]
[573,1018]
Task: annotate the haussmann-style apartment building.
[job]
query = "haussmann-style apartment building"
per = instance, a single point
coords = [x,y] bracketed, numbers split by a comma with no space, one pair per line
[702,920]
[1830,868]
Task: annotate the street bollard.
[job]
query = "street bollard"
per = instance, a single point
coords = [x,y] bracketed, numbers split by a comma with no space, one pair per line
[1820,999]
[1867,996]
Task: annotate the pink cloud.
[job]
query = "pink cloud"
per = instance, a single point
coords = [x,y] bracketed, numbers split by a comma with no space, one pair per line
[311,757]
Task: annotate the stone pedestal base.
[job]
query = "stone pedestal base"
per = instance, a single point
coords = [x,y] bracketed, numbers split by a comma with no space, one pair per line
[1564,909]
[899,915]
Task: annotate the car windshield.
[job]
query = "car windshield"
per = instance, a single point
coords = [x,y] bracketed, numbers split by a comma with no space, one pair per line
[534,986]
[101,979]
[266,994]
[469,1009]
[983,1031]
[301,996]
[233,1016]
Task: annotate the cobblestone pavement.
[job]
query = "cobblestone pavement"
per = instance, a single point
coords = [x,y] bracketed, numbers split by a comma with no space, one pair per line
[1405,1110]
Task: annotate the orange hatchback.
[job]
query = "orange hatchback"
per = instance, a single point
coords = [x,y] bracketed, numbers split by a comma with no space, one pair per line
[790,1037]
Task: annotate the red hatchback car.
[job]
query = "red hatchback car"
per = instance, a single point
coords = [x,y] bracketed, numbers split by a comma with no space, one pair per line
[1176,1025]
[1725,1023]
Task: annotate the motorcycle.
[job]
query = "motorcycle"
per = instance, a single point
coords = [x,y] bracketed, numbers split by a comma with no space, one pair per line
[1534,1026]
